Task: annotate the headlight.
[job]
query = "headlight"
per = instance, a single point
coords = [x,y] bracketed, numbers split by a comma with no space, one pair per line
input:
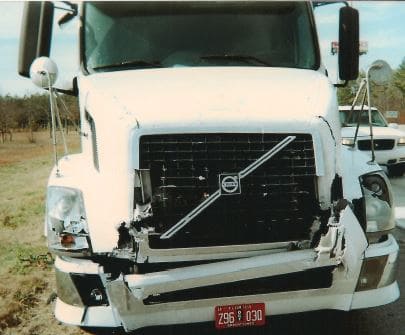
[378,202]
[401,141]
[348,141]
[67,229]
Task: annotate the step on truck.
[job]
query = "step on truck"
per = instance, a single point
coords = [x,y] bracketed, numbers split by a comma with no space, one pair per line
[212,185]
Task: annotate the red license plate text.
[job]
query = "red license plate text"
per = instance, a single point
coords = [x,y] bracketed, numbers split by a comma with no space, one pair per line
[242,315]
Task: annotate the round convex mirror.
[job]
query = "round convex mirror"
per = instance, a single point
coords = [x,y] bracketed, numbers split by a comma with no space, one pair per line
[43,72]
[380,72]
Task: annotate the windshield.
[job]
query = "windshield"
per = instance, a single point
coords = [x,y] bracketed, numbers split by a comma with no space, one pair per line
[167,34]
[376,118]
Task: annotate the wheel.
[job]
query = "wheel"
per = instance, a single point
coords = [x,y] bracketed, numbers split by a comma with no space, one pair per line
[395,171]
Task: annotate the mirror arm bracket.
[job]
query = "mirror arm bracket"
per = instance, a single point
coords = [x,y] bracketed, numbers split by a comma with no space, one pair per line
[344,84]
[67,92]
[73,92]
[324,3]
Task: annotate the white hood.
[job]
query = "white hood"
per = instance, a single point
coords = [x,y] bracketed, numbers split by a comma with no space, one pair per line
[378,132]
[127,104]
[201,98]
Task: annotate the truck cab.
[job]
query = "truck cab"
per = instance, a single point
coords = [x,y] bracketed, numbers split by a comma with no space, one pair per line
[212,185]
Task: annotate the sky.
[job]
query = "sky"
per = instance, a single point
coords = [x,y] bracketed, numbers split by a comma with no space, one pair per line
[382,25]
[64,50]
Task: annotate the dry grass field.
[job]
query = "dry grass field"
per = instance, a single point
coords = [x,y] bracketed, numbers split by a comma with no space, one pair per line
[27,288]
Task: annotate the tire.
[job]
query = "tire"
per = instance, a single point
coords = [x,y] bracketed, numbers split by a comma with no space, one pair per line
[395,171]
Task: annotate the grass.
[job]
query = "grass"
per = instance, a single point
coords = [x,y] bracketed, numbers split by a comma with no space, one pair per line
[26,273]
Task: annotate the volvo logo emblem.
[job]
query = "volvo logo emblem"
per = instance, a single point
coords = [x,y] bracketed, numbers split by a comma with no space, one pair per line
[229,184]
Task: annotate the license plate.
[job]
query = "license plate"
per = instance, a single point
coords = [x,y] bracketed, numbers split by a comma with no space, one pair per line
[242,315]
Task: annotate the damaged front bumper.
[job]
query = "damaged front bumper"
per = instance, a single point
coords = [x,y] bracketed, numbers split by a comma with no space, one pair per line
[341,273]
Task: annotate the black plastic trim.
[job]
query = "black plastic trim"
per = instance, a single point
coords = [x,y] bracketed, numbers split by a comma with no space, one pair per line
[303,280]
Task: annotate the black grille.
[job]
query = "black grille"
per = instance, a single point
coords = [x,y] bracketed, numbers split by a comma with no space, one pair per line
[378,144]
[277,202]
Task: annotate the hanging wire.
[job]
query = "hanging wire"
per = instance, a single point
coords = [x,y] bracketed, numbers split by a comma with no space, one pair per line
[68,112]
[61,129]
[52,103]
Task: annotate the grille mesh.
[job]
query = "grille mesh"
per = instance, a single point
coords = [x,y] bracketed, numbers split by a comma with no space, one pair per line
[277,201]
[382,144]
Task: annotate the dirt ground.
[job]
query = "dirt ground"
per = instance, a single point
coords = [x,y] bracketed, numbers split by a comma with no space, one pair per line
[27,285]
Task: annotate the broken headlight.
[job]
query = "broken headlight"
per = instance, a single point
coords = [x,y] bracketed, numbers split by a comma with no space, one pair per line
[378,202]
[67,229]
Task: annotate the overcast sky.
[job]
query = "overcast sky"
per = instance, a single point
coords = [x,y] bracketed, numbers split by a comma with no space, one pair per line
[382,25]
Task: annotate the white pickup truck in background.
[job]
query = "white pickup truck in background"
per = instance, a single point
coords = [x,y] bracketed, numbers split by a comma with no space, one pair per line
[389,141]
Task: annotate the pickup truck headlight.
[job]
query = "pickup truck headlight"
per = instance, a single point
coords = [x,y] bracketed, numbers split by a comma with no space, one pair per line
[348,141]
[378,202]
[67,229]
[401,141]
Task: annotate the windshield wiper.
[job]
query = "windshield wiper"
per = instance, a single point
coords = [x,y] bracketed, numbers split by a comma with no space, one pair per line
[239,58]
[136,63]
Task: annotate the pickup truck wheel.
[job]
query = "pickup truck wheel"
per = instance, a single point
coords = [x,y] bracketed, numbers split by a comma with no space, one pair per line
[395,171]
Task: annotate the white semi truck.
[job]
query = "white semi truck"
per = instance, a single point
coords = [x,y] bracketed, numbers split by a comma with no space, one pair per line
[212,185]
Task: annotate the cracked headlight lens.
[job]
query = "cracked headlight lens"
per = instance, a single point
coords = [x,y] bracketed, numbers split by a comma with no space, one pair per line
[66,222]
[378,201]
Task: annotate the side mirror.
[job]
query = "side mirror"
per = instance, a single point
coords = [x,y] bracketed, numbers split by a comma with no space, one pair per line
[44,72]
[36,33]
[380,72]
[348,43]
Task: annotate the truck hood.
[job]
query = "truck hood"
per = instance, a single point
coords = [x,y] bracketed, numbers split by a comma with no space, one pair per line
[253,98]
[379,132]
[121,106]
